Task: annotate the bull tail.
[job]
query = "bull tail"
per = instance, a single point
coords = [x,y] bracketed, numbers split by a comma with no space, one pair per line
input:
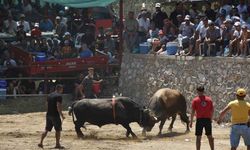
[71,111]
[183,113]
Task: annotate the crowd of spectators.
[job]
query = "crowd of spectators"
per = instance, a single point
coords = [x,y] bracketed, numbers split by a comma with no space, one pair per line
[56,31]
[220,28]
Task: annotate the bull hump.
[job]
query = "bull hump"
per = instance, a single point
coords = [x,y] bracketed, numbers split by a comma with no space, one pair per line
[166,91]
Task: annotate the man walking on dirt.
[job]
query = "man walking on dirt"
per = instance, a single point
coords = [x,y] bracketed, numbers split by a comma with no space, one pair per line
[54,111]
[203,107]
[240,110]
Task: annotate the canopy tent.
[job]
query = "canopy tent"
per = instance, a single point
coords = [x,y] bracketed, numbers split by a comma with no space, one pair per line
[81,3]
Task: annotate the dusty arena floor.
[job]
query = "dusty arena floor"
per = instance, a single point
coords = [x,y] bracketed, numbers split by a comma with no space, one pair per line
[22,132]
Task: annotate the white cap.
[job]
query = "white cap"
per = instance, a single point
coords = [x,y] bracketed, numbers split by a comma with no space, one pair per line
[66,33]
[158,5]
[187,17]
[36,25]
[237,24]
[57,17]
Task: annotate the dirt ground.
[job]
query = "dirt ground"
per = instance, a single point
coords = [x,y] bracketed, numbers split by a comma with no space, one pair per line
[22,132]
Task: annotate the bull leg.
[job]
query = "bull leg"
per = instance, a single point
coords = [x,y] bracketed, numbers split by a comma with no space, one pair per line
[185,119]
[129,130]
[78,126]
[172,123]
[143,132]
[161,126]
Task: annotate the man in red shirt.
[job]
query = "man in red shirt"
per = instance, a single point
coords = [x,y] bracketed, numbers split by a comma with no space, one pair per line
[36,32]
[202,106]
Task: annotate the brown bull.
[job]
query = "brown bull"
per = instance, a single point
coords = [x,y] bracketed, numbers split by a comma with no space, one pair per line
[166,103]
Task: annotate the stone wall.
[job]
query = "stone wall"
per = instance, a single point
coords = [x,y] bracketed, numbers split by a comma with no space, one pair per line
[142,75]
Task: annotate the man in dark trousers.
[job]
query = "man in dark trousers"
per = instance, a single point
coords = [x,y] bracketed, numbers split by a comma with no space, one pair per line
[159,16]
[203,107]
[88,82]
[54,111]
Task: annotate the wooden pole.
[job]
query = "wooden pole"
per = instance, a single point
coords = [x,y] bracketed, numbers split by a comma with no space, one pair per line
[121,32]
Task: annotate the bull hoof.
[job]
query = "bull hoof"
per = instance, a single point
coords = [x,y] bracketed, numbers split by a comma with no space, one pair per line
[134,137]
[144,133]
[170,130]
[159,135]
[187,131]
[80,136]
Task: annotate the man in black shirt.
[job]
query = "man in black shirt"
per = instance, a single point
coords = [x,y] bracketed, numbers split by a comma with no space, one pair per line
[54,111]
[159,16]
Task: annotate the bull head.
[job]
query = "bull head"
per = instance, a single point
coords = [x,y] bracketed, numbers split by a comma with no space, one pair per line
[149,119]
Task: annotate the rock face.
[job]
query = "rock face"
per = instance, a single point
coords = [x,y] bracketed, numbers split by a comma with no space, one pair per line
[142,75]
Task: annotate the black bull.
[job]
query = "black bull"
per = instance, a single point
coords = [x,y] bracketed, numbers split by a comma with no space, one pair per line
[166,103]
[120,110]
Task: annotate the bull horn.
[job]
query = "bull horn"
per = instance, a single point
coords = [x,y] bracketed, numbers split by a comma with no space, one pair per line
[155,118]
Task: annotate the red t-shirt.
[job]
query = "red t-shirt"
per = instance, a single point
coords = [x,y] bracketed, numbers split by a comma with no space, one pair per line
[36,33]
[203,106]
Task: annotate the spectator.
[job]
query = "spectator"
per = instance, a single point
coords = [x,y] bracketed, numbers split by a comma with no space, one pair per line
[245,41]
[26,25]
[226,35]
[161,42]
[27,8]
[212,36]
[179,10]
[234,43]
[144,24]
[242,7]
[219,21]
[210,13]
[67,46]
[85,52]
[186,30]
[46,24]
[131,28]
[225,7]
[21,34]
[60,27]
[36,32]
[193,11]
[10,26]
[88,82]
[179,19]
[158,16]
[43,47]
[30,86]
[170,30]
[109,42]
[77,26]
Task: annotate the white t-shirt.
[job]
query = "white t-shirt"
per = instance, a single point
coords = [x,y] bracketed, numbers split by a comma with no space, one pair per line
[26,25]
[10,26]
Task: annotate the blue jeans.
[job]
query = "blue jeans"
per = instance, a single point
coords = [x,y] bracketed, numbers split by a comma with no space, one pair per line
[238,131]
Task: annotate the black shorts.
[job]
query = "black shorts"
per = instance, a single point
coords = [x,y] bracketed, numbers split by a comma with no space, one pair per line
[203,123]
[55,122]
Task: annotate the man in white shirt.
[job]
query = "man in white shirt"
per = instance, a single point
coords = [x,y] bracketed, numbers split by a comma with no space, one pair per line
[26,25]
[10,25]
[186,31]
[144,24]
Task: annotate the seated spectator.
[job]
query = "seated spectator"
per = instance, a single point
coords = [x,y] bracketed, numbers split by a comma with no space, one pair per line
[85,52]
[245,41]
[67,46]
[43,47]
[21,34]
[234,43]
[36,32]
[170,30]
[219,21]
[46,24]
[25,24]
[186,31]
[60,27]
[160,43]
[226,34]
[210,13]
[10,25]
[77,26]
[109,42]
[212,36]
[100,39]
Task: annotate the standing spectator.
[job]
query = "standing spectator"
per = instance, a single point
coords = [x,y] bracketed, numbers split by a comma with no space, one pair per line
[26,25]
[170,30]
[67,46]
[109,42]
[144,24]
[240,110]
[131,29]
[225,7]
[54,111]
[88,82]
[210,13]
[194,11]
[46,24]
[27,8]
[36,32]
[79,93]
[159,16]
[10,26]
[20,34]
[179,10]
[202,106]
[242,7]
